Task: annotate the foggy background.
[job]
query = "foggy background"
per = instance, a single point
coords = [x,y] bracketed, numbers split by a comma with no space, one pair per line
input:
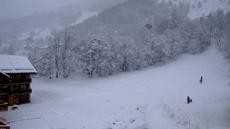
[19,8]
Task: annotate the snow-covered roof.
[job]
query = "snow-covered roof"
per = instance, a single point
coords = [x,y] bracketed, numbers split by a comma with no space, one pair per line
[15,64]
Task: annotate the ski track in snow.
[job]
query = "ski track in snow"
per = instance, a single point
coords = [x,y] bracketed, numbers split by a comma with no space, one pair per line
[153,98]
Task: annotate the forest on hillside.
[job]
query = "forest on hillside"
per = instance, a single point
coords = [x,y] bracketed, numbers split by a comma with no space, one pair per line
[129,36]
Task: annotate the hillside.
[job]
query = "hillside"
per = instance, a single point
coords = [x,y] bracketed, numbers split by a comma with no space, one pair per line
[148,99]
[113,18]
[129,36]
[69,14]
[199,8]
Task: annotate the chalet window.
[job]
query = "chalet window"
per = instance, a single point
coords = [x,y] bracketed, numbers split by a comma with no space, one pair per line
[23,87]
[4,89]
[1,77]
[23,76]
[4,98]
[16,87]
[15,97]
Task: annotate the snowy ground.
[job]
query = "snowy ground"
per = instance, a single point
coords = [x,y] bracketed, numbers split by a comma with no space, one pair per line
[154,98]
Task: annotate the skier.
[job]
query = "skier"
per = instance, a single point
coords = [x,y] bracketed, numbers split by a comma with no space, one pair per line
[201,79]
[189,100]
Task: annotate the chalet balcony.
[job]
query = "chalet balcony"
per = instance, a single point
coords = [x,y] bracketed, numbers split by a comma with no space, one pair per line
[4,91]
[4,88]
[21,91]
[25,91]
[16,80]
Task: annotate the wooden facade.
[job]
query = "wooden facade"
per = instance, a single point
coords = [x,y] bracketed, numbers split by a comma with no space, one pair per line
[15,88]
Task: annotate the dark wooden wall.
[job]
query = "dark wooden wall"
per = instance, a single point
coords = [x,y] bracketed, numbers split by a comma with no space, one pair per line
[16,89]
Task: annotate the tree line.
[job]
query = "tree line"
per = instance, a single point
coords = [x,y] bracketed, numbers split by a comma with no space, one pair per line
[103,47]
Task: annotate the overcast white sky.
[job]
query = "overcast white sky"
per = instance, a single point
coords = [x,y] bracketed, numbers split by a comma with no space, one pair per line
[17,8]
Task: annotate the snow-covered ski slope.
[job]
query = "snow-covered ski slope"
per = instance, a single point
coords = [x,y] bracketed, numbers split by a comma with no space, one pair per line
[153,98]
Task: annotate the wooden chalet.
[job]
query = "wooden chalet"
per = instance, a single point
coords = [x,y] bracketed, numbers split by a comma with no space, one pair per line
[15,80]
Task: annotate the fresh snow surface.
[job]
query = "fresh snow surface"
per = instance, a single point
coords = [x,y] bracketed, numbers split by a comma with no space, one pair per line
[153,98]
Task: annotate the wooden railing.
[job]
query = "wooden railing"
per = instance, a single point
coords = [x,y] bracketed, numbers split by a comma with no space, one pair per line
[19,91]
[15,80]
[4,125]
[4,89]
